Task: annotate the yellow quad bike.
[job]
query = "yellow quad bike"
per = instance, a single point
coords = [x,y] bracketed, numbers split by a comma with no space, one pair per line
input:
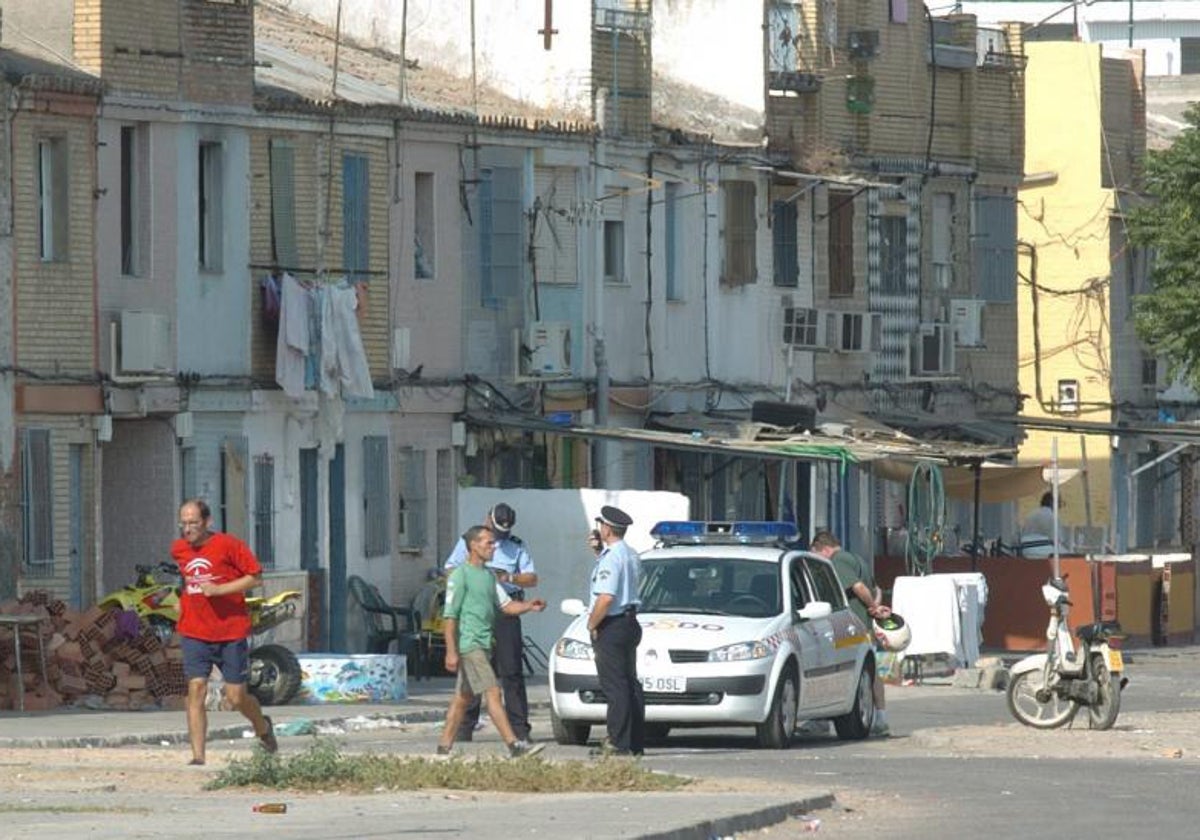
[274,670]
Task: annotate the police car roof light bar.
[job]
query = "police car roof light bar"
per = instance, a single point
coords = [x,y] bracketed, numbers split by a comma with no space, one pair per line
[699,532]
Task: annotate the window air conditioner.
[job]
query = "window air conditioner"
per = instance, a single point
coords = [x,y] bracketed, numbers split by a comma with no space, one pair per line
[932,351]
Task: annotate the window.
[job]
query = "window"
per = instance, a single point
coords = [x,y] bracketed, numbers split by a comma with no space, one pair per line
[356,216]
[841,243]
[211,206]
[411,504]
[376,489]
[37,498]
[264,510]
[783,243]
[187,474]
[893,254]
[1189,56]
[554,231]
[672,241]
[283,204]
[942,237]
[614,251]
[53,223]
[826,584]
[424,231]
[898,11]
[738,262]
[133,178]
[499,234]
[1150,371]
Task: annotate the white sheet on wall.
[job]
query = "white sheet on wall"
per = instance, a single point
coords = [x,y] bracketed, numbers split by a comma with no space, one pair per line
[554,525]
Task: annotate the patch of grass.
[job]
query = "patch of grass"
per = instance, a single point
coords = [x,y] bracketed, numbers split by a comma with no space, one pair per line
[324,767]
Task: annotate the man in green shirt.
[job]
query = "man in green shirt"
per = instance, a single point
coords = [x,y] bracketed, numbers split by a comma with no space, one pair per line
[472,598]
[861,593]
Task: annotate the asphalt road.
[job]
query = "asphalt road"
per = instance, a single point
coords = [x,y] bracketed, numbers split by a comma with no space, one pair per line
[958,764]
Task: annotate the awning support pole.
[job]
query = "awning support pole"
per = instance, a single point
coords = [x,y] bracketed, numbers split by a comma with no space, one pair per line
[978,467]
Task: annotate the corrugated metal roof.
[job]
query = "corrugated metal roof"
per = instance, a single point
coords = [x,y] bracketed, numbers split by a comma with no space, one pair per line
[807,446]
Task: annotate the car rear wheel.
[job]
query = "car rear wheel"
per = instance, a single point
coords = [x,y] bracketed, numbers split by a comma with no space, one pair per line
[856,724]
[775,733]
[569,733]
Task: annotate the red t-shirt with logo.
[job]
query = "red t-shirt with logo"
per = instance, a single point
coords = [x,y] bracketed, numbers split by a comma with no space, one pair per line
[220,559]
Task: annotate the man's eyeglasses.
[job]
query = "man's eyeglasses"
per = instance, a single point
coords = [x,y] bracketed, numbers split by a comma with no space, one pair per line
[183,526]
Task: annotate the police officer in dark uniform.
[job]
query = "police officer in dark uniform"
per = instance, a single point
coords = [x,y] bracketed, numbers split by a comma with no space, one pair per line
[514,569]
[615,631]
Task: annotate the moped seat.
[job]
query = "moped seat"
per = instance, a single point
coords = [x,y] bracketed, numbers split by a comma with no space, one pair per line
[1100,630]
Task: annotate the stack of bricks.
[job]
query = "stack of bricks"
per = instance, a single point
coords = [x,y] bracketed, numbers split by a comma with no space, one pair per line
[93,653]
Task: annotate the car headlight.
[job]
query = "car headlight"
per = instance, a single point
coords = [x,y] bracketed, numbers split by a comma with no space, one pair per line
[573,649]
[739,652]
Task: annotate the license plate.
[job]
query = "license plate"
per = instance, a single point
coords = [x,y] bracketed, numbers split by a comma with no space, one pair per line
[1115,660]
[664,685]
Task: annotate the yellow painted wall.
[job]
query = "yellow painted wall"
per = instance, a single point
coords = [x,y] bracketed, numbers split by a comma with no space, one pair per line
[1066,222]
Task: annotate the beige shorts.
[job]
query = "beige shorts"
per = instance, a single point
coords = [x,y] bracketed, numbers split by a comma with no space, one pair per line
[475,674]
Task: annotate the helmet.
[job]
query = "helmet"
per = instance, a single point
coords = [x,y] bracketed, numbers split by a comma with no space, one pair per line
[892,633]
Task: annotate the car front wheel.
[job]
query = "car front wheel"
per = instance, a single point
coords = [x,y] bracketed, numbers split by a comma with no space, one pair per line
[775,733]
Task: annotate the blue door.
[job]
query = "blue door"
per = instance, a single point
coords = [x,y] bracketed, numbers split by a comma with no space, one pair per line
[337,551]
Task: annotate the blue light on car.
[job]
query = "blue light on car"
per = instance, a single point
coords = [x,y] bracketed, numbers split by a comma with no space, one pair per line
[701,532]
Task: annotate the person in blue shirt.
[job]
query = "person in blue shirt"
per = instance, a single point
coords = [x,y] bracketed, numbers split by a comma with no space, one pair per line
[616,633]
[514,569]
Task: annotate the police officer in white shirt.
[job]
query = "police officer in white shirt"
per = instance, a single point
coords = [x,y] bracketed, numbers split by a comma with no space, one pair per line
[615,631]
[514,569]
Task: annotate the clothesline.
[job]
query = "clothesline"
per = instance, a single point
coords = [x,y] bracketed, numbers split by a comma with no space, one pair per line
[345,272]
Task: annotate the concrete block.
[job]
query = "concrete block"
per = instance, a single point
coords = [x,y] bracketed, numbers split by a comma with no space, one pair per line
[994,678]
[967,678]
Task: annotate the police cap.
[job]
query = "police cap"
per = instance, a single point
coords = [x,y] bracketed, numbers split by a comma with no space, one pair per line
[614,516]
[503,518]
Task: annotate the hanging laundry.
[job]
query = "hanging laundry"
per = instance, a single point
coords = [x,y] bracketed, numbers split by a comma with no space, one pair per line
[291,346]
[270,299]
[344,366]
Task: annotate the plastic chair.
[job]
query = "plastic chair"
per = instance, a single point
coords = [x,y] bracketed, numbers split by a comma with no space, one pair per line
[387,623]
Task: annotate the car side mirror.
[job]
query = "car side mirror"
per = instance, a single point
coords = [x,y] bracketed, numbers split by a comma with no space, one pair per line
[572,606]
[815,609]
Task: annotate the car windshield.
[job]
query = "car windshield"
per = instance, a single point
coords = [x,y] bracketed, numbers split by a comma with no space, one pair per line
[715,585]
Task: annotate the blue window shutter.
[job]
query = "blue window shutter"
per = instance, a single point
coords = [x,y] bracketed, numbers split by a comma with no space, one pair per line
[783,237]
[501,220]
[356,217]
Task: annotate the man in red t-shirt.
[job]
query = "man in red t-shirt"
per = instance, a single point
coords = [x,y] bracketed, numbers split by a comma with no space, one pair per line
[214,624]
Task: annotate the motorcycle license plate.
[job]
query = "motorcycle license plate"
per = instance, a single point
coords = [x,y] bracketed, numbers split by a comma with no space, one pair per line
[1115,661]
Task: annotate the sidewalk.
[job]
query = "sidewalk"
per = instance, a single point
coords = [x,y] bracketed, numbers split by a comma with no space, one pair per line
[418,813]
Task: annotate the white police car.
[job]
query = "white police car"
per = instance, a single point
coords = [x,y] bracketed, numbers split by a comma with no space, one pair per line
[738,627]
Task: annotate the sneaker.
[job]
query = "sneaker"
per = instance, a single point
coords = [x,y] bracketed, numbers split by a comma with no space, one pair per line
[880,730]
[519,749]
[267,739]
[443,750]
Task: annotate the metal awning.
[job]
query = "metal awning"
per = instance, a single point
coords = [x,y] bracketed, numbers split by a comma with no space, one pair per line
[756,440]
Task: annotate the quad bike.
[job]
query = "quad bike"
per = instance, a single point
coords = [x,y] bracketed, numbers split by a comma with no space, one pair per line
[274,670]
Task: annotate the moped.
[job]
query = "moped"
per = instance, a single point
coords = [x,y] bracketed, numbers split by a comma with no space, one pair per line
[1045,690]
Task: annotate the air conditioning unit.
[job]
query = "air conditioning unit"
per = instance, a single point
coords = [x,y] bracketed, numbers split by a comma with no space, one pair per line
[543,350]
[863,43]
[853,332]
[932,351]
[966,317]
[804,329]
[145,342]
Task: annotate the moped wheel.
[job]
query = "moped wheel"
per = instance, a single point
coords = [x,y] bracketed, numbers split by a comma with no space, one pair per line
[275,674]
[1104,713]
[1025,706]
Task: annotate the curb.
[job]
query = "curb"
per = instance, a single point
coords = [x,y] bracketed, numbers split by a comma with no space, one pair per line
[232,733]
[749,821]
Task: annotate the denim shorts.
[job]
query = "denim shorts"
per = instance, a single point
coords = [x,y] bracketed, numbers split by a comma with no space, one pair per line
[199,657]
